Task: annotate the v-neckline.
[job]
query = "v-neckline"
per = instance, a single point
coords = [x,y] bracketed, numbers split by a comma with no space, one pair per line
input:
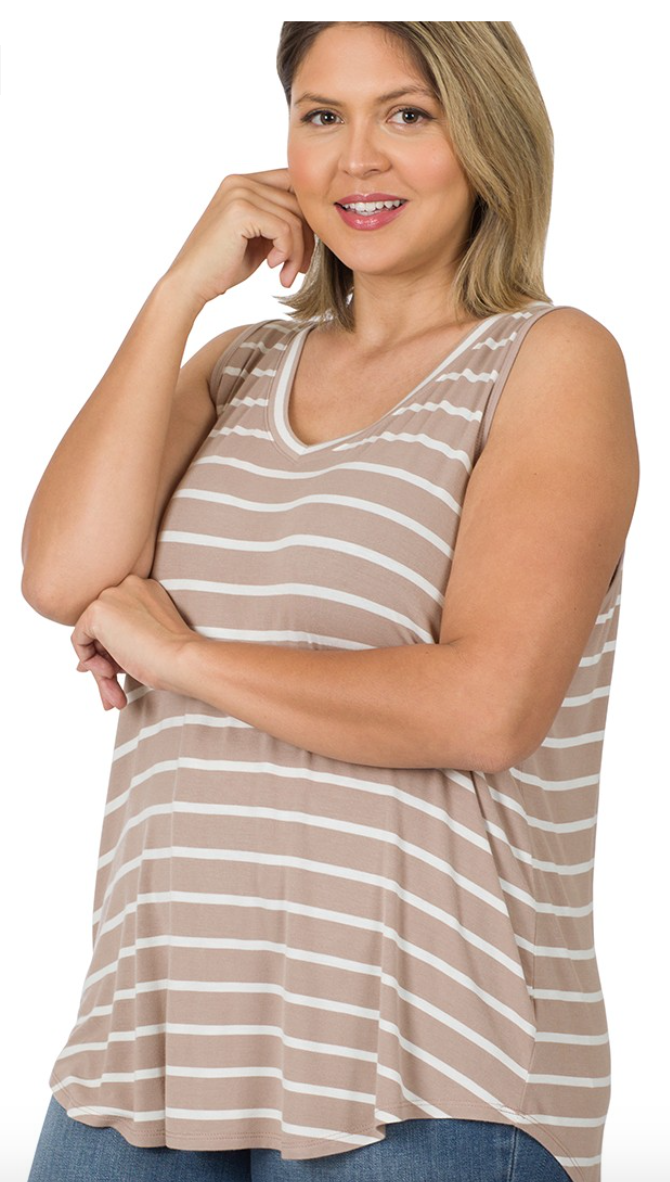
[282,385]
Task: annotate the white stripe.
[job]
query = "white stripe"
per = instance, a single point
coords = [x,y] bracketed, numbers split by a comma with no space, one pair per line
[582,699]
[579,1161]
[572,1081]
[314,820]
[312,541]
[309,1045]
[117,1077]
[539,950]
[336,963]
[575,740]
[135,1114]
[242,400]
[246,1072]
[451,453]
[607,648]
[425,1056]
[463,412]
[220,1073]
[554,785]
[608,615]
[271,636]
[537,822]
[585,1040]
[338,499]
[148,732]
[469,377]
[515,806]
[241,1072]
[573,1122]
[544,908]
[567,995]
[563,826]
[490,343]
[357,783]
[165,765]
[337,824]
[528,859]
[382,469]
[283,636]
[219,899]
[311,590]
[239,431]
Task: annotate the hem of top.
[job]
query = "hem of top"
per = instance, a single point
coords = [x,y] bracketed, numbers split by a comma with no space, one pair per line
[145,1138]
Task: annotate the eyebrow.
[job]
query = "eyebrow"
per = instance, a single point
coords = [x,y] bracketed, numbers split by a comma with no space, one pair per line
[383,98]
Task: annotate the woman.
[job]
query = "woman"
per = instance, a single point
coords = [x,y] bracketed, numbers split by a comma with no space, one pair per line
[362,573]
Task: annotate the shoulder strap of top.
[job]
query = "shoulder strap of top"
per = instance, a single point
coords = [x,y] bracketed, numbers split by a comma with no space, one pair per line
[508,361]
[229,370]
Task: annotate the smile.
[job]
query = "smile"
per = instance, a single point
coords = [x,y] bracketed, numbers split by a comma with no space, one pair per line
[370,219]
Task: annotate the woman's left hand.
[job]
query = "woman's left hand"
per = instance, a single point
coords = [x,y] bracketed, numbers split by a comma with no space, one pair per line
[134,628]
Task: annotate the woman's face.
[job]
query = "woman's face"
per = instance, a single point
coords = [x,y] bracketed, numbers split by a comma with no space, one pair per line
[349,140]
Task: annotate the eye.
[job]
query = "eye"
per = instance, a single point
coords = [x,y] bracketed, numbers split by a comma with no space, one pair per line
[311,115]
[413,111]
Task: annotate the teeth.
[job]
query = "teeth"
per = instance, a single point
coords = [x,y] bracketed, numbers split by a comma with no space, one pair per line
[372,206]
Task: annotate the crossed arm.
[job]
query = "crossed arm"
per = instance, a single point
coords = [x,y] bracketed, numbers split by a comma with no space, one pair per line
[544,523]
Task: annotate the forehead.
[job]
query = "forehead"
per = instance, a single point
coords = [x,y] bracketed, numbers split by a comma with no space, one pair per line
[358,60]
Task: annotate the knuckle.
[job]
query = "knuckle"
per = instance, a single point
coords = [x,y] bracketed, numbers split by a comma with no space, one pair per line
[239,203]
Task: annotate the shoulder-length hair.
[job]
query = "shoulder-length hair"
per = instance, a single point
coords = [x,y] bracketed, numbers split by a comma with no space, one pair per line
[500,132]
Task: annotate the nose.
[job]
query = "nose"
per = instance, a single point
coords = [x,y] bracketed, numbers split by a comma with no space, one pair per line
[362,149]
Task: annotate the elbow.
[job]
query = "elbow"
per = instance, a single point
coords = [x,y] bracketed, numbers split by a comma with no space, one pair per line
[48,600]
[502,716]
[517,733]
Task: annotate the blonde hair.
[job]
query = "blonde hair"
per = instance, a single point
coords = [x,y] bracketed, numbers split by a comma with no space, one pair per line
[501,134]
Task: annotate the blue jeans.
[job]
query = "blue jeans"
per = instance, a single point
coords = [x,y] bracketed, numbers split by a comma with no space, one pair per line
[424,1150]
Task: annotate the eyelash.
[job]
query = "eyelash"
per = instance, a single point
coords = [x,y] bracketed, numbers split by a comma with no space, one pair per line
[324,111]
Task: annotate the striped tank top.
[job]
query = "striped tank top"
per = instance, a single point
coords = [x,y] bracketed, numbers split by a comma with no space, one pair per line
[293,951]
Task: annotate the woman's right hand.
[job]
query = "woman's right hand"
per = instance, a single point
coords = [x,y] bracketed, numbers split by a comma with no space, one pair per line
[252,217]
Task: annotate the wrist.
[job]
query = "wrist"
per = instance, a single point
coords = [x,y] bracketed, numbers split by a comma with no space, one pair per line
[173,290]
[183,668]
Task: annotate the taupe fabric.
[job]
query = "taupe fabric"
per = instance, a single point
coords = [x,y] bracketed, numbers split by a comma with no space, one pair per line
[291,950]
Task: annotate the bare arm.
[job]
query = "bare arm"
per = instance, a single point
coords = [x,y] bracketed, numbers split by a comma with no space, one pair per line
[94,516]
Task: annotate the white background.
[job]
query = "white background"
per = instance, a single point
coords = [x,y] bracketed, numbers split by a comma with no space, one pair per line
[118,123]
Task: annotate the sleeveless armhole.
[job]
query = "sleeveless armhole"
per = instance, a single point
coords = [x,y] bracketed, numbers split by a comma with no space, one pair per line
[496,392]
[224,377]
[503,375]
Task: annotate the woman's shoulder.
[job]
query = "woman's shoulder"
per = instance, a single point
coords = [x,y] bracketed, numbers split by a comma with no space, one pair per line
[569,382]
[569,329]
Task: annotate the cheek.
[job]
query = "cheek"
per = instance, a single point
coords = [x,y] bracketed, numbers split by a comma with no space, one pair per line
[441,174]
[300,159]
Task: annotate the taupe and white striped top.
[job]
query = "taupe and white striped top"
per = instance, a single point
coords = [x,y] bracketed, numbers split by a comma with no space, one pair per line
[291,950]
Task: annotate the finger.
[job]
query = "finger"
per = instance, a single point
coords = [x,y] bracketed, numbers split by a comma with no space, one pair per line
[114,695]
[98,664]
[111,693]
[286,232]
[86,651]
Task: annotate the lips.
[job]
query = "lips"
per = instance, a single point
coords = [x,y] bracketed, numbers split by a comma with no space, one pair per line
[370,221]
